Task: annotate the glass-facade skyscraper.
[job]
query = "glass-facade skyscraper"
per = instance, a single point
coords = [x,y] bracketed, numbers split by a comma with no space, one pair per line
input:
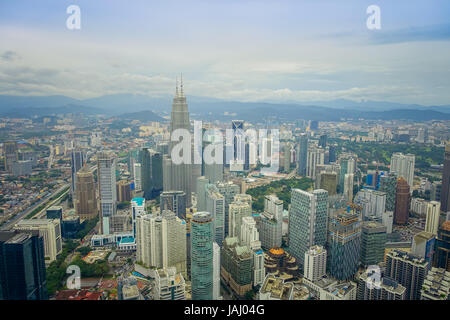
[202,237]
[307,221]
[22,266]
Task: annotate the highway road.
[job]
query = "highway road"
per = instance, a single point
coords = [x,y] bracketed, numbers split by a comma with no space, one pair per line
[24,213]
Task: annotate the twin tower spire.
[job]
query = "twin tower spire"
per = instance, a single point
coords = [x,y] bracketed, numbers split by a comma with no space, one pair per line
[179,90]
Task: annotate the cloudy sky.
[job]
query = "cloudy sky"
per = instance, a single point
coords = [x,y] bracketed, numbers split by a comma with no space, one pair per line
[282,50]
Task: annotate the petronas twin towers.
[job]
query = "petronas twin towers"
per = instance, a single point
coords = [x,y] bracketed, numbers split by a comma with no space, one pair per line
[179,176]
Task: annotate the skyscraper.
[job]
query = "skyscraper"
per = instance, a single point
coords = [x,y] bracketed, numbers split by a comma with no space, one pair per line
[85,201]
[215,204]
[123,191]
[161,241]
[408,270]
[202,260]
[373,243]
[328,181]
[445,189]
[237,211]
[250,238]
[345,243]
[373,202]
[174,201]
[106,170]
[11,155]
[238,145]
[216,271]
[77,160]
[236,266]
[137,177]
[348,186]
[402,202]
[348,165]
[442,247]
[178,176]
[315,156]
[271,223]
[433,213]
[201,191]
[49,230]
[403,166]
[151,173]
[386,289]
[137,209]
[315,263]
[388,184]
[22,266]
[307,221]
[229,190]
[302,154]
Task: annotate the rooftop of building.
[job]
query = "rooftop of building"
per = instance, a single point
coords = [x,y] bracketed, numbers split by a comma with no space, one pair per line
[130,292]
[36,222]
[407,257]
[138,200]
[446,225]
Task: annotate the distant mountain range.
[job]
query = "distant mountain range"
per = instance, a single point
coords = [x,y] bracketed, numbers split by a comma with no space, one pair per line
[147,108]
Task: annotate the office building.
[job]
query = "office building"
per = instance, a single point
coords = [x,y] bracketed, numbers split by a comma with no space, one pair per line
[11,155]
[229,190]
[348,186]
[22,266]
[85,201]
[328,181]
[307,221]
[315,263]
[423,246]
[373,202]
[388,220]
[49,230]
[373,243]
[123,190]
[151,173]
[137,177]
[445,188]
[236,266]
[54,212]
[137,209]
[202,256]
[442,247]
[315,156]
[302,154]
[216,271]
[347,162]
[271,223]
[344,243]
[215,204]
[403,166]
[77,161]
[237,211]
[388,185]
[433,213]
[435,194]
[174,201]
[201,192]
[106,171]
[402,202]
[178,176]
